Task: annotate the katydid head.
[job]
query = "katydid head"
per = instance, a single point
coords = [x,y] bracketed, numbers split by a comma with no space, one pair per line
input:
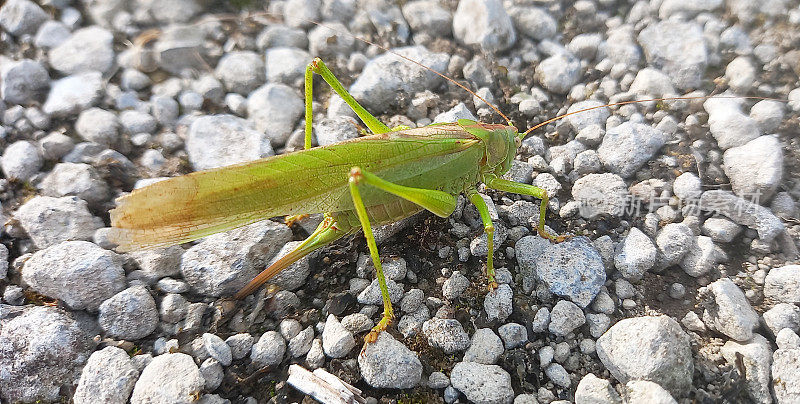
[500,142]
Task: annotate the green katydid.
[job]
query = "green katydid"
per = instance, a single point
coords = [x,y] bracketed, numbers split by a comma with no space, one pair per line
[371,180]
[358,183]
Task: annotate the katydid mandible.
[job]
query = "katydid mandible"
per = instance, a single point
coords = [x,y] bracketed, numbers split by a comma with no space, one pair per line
[371,180]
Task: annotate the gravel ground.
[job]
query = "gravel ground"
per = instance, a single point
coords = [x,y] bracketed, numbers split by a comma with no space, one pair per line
[678,287]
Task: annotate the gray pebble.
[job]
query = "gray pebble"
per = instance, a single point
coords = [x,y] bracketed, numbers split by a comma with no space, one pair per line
[673,242]
[498,303]
[428,17]
[286,65]
[42,347]
[20,17]
[454,286]
[130,314]
[701,257]
[513,335]
[334,130]
[337,341]
[565,318]
[71,179]
[648,348]
[241,71]
[782,315]
[485,347]
[484,23]
[98,126]
[744,212]
[23,81]
[558,375]
[217,349]
[21,161]
[87,49]
[482,383]
[677,48]
[784,368]
[80,273]
[316,355]
[357,322]
[212,373]
[151,386]
[277,35]
[783,284]
[329,41]
[73,94]
[438,380]
[372,293]
[627,147]
[412,300]
[446,334]
[558,73]
[600,194]
[240,345]
[275,108]
[49,221]
[301,343]
[387,363]
[720,229]
[594,389]
[269,349]
[173,308]
[635,255]
[108,377]
[728,124]
[220,140]
[755,168]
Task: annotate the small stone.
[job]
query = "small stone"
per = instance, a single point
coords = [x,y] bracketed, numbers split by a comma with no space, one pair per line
[678,49]
[627,147]
[513,335]
[173,308]
[558,73]
[601,194]
[720,229]
[337,341]
[593,389]
[301,343]
[87,49]
[42,348]
[701,258]
[744,212]
[785,363]
[217,349]
[645,391]
[498,303]
[741,74]
[179,369]
[79,273]
[241,72]
[212,373]
[783,284]
[731,313]
[21,161]
[387,363]
[21,17]
[275,108]
[573,268]
[71,179]
[269,350]
[73,94]
[23,81]
[50,221]
[534,22]
[482,383]
[454,286]
[357,322]
[286,65]
[110,363]
[316,355]
[648,348]
[558,375]
[240,345]
[446,334]
[486,347]
[484,23]
[438,380]
[635,255]
[130,314]
[372,293]
[755,168]
[565,318]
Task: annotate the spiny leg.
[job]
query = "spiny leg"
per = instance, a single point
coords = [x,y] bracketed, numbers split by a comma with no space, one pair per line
[488,228]
[525,189]
[438,202]
[327,232]
[318,67]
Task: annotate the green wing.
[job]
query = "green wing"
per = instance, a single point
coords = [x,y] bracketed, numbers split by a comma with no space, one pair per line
[192,206]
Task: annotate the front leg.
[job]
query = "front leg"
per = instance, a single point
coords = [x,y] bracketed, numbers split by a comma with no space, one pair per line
[525,189]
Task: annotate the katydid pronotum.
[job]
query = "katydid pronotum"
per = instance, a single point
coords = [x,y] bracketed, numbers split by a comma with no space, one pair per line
[356,184]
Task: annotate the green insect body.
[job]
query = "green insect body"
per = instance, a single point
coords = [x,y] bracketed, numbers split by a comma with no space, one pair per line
[358,183]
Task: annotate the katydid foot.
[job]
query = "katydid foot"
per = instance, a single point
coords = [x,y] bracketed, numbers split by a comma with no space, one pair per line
[293,219]
[380,327]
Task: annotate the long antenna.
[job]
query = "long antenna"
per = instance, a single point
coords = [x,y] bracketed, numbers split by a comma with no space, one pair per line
[699,97]
[387,50]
